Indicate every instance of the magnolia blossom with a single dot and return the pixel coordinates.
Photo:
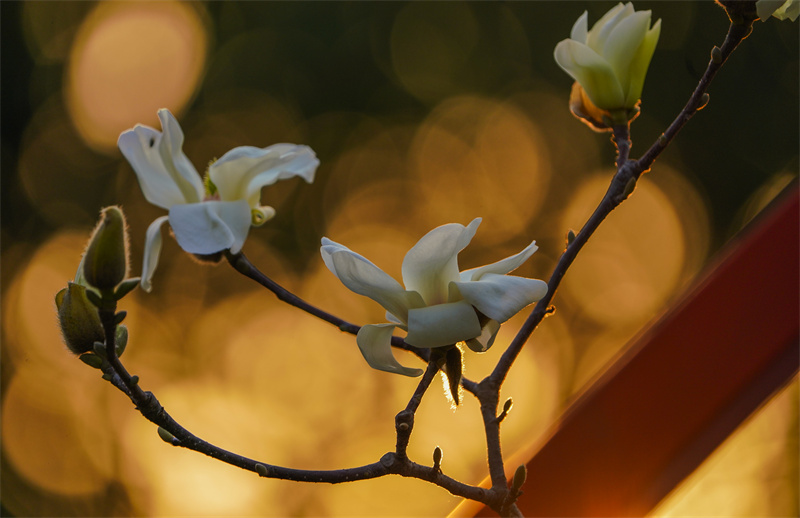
(439, 305)
(780, 9)
(610, 61)
(211, 216)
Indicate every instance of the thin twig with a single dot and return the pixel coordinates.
(390, 463)
(242, 265)
(736, 33)
(404, 420)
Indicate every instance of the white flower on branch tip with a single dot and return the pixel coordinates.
(610, 61)
(780, 9)
(439, 305)
(211, 216)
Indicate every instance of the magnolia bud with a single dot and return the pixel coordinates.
(80, 322)
(105, 263)
(519, 477)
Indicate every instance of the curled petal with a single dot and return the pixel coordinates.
(502, 267)
(502, 296)
(243, 171)
(430, 266)
(483, 342)
(374, 341)
(211, 226)
(261, 215)
(442, 324)
(364, 278)
(165, 174)
(152, 250)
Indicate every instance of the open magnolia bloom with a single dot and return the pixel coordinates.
(211, 216)
(439, 305)
(609, 63)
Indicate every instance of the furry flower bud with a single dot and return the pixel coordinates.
(105, 264)
(79, 320)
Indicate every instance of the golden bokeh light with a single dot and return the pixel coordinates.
(192, 485)
(478, 157)
(128, 60)
(49, 388)
(634, 262)
(59, 175)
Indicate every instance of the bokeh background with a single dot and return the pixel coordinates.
(421, 114)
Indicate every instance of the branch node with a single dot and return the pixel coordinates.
(262, 470)
(167, 437)
(387, 461)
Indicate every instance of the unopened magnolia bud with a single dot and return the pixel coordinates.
(519, 477)
(166, 436)
(105, 264)
(716, 55)
(437, 458)
(79, 320)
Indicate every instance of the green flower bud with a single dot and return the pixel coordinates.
(105, 263)
(79, 320)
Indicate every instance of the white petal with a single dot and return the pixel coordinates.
(597, 37)
(165, 174)
(623, 44)
(581, 28)
(152, 250)
(364, 278)
(243, 171)
(210, 226)
(442, 324)
(374, 341)
(502, 296)
(430, 266)
(503, 266)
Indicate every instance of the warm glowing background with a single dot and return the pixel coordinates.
(422, 114)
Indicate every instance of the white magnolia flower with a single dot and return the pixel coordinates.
(439, 305)
(610, 61)
(215, 216)
(780, 9)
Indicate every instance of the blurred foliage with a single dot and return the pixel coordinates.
(421, 114)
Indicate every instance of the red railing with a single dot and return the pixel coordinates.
(683, 386)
